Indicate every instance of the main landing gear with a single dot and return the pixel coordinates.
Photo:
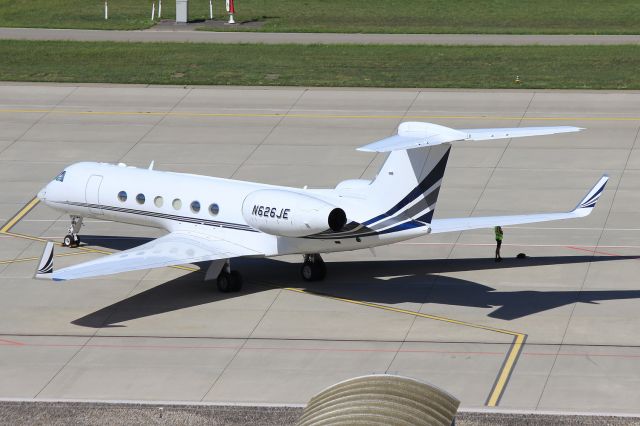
(313, 268)
(72, 239)
(227, 281)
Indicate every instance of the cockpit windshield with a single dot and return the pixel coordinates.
(60, 177)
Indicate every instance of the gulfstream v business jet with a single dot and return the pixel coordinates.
(215, 220)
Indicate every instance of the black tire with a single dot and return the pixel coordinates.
(236, 281)
(224, 282)
(68, 240)
(313, 271)
(321, 270)
(307, 272)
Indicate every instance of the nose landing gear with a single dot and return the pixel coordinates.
(72, 239)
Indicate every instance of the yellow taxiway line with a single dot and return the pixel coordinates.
(18, 216)
(504, 374)
(499, 385)
(303, 115)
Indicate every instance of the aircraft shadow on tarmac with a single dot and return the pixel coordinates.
(417, 281)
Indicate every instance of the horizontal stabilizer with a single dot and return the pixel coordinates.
(583, 209)
(413, 134)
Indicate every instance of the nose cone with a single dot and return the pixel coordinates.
(42, 195)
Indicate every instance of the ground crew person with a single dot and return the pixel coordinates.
(499, 236)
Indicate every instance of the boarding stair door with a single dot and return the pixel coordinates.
(92, 194)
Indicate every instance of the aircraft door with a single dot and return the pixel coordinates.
(92, 194)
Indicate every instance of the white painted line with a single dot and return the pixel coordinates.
(64, 220)
(149, 402)
(515, 245)
(288, 405)
(546, 412)
(571, 229)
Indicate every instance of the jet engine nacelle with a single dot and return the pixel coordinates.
(291, 214)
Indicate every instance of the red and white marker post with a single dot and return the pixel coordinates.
(231, 9)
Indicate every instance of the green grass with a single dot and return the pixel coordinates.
(445, 16)
(367, 16)
(89, 14)
(545, 67)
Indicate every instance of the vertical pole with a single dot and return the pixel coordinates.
(159, 9)
(153, 10)
(232, 10)
(210, 9)
(106, 10)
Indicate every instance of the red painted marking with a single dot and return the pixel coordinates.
(307, 349)
(581, 354)
(10, 342)
(593, 251)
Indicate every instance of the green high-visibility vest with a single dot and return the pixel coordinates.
(498, 232)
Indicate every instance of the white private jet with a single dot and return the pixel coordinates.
(214, 219)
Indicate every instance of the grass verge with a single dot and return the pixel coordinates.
(444, 16)
(353, 16)
(542, 67)
(89, 14)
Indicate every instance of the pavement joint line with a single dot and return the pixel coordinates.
(512, 356)
(152, 403)
(269, 133)
(321, 116)
(240, 347)
(508, 365)
(430, 287)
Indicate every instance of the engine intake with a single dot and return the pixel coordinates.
(291, 214)
(337, 219)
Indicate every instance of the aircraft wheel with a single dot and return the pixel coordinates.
(236, 281)
(322, 270)
(313, 271)
(68, 241)
(224, 282)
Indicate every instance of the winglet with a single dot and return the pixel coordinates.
(589, 201)
(45, 267)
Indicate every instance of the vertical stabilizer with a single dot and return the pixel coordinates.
(407, 187)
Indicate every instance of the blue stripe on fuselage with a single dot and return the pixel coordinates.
(434, 175)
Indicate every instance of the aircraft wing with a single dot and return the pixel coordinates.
(415, 134)
(176, 248)
(583, 208)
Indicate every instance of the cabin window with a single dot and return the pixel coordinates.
(140, 198)
(214, 209)
(158, 201)
(60, 177)
(195, 206)
(177, 204)
(122, 196)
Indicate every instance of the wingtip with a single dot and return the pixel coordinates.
(44, 269)
(587, 204)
